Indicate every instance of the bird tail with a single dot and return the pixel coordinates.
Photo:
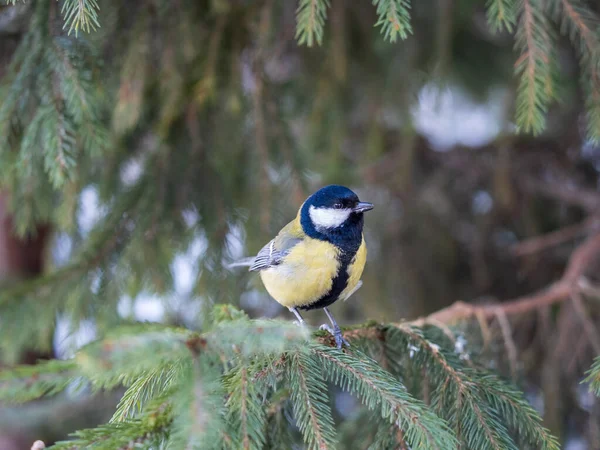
(244, 262)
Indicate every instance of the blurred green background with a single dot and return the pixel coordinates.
(138, 159)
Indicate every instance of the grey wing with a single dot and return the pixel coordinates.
(270, 255)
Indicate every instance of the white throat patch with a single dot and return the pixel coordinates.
(328, 217)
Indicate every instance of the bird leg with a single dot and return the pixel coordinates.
(336, 331)
(300, 321)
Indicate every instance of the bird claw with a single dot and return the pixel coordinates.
(326, 328)
(298, 323)
(337, 335)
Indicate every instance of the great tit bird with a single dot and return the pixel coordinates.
(317, 258)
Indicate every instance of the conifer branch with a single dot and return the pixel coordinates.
(377, 388)
(246, 410)
(80, 15)
(310, 21)
(479, 402)
(130, 353)
(148, 430)
(190, 374)
(594, 377)
(535, 66)
(198, 406)
(26, 383)
(502, 14)
(144, 389)
(311, 402)
(394, 18)
(581, 24)
(518, 412)
(279, 433)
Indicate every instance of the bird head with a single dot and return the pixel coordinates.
(331, 210)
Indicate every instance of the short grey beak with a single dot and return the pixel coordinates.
(362, 207)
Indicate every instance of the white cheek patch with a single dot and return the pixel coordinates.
(328, 217)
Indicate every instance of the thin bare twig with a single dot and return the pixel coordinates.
(558, 237)
(561, 290)
(509, 343)
(588, 326)
(485, 329)
(587, 199)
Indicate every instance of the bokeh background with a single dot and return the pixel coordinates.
(189, 133)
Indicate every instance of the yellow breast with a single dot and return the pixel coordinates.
(305, 275)
(355, 270)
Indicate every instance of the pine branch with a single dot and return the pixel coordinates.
(394, 18)
(389, 437)
(166, 366)
(80, 15)
(310, 21)
(581, 24)
(378, 388)
(279, 427)
(198, 407)
(57, 136)
(144, 389)
(519, 414)
(148, 431)
(536, 67)
(481, 408)
(242, 338)
(135, 73)
(478, 403)
(130, 353)
(502, 14)
(246, 412)
(594, 377)
(311, 402)
(26, 383)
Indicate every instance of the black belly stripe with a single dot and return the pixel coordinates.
(348, 239)
(339, 282)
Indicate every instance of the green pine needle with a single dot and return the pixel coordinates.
(581, 24)
(246, 409)
(198, 407)
(144, 389)
(536, 67)
(481, 407)
(233, 386)
(80, 15)
(148, 431)
(310, 21)
(26, 383)
(394, 18)
(502, 14)
(311, 402)
(593, 377)
(378, 389)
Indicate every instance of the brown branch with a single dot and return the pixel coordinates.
(509, 343)
(588, 288)
(586, 199)
(571, 284)
(588, 326)
(561, 290)
(555, 238)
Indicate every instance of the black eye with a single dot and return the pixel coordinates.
(338, 206)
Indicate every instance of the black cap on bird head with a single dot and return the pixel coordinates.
(332, 212)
